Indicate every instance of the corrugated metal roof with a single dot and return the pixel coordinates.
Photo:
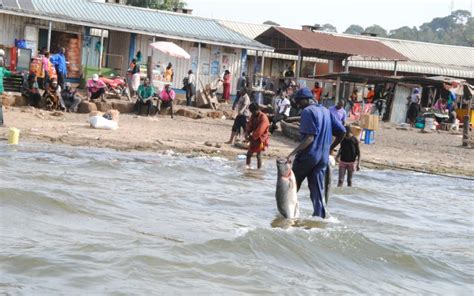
(146, 21)
(289, 57)
(428, 58)
(317, 43)
(246, 29)
(417, 67)
(427, 52)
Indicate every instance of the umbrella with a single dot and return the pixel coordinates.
(171, 49)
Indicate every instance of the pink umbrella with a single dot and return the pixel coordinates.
(171, 49)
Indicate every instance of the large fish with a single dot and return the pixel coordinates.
(328, 179)
(286, 198)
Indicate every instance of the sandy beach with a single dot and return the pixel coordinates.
(438, 152)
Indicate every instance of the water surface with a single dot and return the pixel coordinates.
(88, 221)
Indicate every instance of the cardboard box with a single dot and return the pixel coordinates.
(370, 122)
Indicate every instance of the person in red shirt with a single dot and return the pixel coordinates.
(258, 134)
(370, 95)
(317, 91)
(166, 98)
(226, 84)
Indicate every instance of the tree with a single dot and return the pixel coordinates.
(376, 29)
(271, 23)
(469, 32)
(405, 33)
(354, 30)
(158, 4)
(328, 28)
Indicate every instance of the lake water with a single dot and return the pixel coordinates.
(77, 221)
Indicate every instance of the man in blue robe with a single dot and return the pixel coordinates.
(317, 128)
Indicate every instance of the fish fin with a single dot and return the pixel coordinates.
(296, 214)
(327, 183)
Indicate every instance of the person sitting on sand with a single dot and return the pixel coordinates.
(31, 91)
(52, 95)
(145, 96)
(258, 134)
(166, 99)
(70, 99)
(347, 156)
(95, 87)
(240, 122)
(283, 106)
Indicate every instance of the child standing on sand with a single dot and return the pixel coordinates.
(349, 157)
(257, 132)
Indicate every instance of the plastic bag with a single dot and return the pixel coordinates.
(102, 123)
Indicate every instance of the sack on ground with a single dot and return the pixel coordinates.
(100, 122)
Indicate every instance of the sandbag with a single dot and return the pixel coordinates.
(102, 123)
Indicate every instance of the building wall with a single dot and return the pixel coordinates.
(214, 61)
(11, 27)
(119, 47)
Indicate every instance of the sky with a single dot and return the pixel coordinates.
(390, 14)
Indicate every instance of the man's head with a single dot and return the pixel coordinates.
(54, 82)
(370, 88)
(168, 87)
(254, 108)
(134, 61)
(146, 82)
(303, 97)
(95, 77)
(340, 104)
(348, 131)
(226, 72)
(67, 86)
(170, 65)
(62, 50)
(190, 72)
(316, 84)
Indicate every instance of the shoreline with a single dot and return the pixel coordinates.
(392, 150)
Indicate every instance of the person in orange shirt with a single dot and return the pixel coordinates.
(370, 95)
(317, 91)
(257, 132)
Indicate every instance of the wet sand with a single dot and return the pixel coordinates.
(438, 152)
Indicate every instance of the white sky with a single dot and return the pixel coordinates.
(390, 14)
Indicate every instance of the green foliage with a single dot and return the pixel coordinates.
(354, 30)
(328, 28)
(376, 29)
(455, 29)
(158, 4)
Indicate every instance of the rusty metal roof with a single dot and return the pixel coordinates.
(326, 45)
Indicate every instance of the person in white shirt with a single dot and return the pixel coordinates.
(190, 87)
(283, 106)
(243, 113)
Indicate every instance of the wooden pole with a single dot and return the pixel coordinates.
(465, 133)
(338, 89)
(101, 52)
(346, 65)
(395, 68)
(262, 68)
(198, 68)
(50, 29)
(298, 66)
